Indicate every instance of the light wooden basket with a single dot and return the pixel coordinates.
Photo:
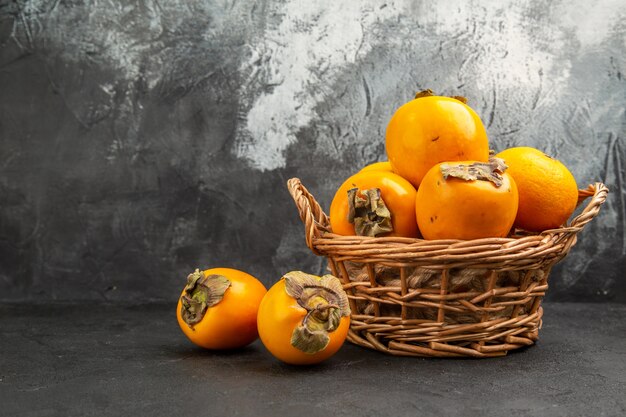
(443, 298)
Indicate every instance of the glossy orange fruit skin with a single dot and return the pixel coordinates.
(231, 323)
(397, 193)
(429, 130)
(378, 166)
(548, 193)
(279, 314)
(454, 208)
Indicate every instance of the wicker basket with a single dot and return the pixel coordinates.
(443, 298)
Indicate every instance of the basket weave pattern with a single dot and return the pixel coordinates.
(443, 298)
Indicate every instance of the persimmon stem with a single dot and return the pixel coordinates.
(368, 212)
(429, 93)
(483, 171)
(325, 302)
(201, 293)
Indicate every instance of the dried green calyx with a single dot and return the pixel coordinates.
(429, 93)
(325, 302)
(200, 293)
(424, 93)
(368, 212)
(485, 171)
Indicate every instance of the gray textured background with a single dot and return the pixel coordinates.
(140, 139)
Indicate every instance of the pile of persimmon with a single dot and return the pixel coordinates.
(442, 182)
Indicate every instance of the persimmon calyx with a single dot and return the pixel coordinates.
(200, 293)
(429, 93)
(325, 302)
(368, 212)
(424, 93)
(484, 171)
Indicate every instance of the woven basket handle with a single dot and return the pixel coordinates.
(598, 193)
(314, 219)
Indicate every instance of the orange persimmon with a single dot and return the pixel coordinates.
(374, 203)
(431, 129)
(304, 319)
(218, 308)
(466, 200)
(548, 193)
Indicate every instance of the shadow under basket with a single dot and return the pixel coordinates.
(443, 298)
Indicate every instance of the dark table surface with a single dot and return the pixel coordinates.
(119, 360)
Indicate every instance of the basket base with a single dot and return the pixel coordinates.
(496, 340)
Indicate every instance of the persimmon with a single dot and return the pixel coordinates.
(304, 319)
(378, 166)
(466, 200)
(548, 192)
(218, 308)
(431, 129)
(374, 203)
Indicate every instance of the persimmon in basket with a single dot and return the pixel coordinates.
(432, 129)
(548, 193)
(466, 200)
(374, 203)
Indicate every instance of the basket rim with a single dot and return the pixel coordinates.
(551, 243)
